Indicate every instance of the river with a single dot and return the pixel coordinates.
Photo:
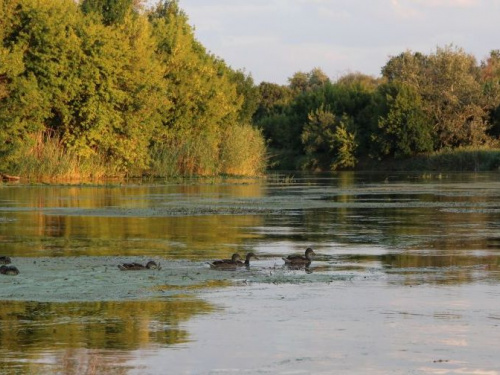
(405, 279)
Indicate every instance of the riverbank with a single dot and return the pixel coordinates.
(459, 160)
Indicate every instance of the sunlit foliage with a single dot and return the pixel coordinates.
(119, 86)
(422, 103)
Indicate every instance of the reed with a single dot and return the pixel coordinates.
(50, 160)
(239, 150)
(243, 152)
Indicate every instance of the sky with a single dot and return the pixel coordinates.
(273, 39)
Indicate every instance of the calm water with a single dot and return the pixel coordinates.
(406, 278)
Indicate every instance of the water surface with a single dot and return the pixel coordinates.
(406, 278)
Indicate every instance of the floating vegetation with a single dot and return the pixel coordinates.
(99, 279)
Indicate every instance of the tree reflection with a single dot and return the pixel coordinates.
(30, 330)
(125, 220)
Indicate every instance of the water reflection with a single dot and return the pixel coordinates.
(39, 331)
(131, 220)
(394, 231)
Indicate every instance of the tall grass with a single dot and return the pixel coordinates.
(194, 155)
(243, 152)
(239, 150)
(50, 160)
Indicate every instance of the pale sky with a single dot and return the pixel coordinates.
(273, 39)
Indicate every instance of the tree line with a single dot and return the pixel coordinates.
(444, 100)
(121, 89)
(107, 87)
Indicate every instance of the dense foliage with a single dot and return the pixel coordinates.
(106, 87)
(119, 90)
(423, 103)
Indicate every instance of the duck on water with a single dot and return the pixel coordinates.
(151, 265)
(9, 270)
(300, 260)
(233, 263)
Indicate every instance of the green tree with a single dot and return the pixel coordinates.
(403, 129)
(116, 111)
(203, 90)
(328, 141)
(490, 74)
(273, 99)
(110, 11)
(41, 51)
(302, 82)
(108, 82)
(245, 88)
(450, 86)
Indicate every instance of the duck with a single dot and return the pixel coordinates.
(4, 260)
(9, 270)
(300, 260)
(151, 265)
(228, 263)
(246, 263)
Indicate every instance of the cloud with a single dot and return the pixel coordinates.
(403, 11)
(447, 3)
(407, 9)
(273, 39)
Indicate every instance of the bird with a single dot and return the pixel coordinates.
(4, 260)
(246, 263)
(151, 265)
(9, 270)
(227, 263)
(300, 260)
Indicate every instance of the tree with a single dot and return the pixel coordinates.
(328, 141)
(490, 75)
(116, 111)
(110, 11)
(40, 51)
(403, 128)
(302, 82)
(454, 98)
(273, 99)
(202, 89)
(449, 84)
(245, 88)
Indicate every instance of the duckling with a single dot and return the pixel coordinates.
(300, 260)
(9, 270)
(246, 263)
(151, 265)
(227, 263)
(4, 260)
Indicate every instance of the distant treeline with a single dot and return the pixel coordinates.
(422, 105)
(104, 87)
(97, 88)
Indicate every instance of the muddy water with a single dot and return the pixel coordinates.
(405, 281)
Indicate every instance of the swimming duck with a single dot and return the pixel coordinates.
(228, 263)
(9, 270)
(4, 259)
(300, 260)
(151, 265)
(246, 263)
